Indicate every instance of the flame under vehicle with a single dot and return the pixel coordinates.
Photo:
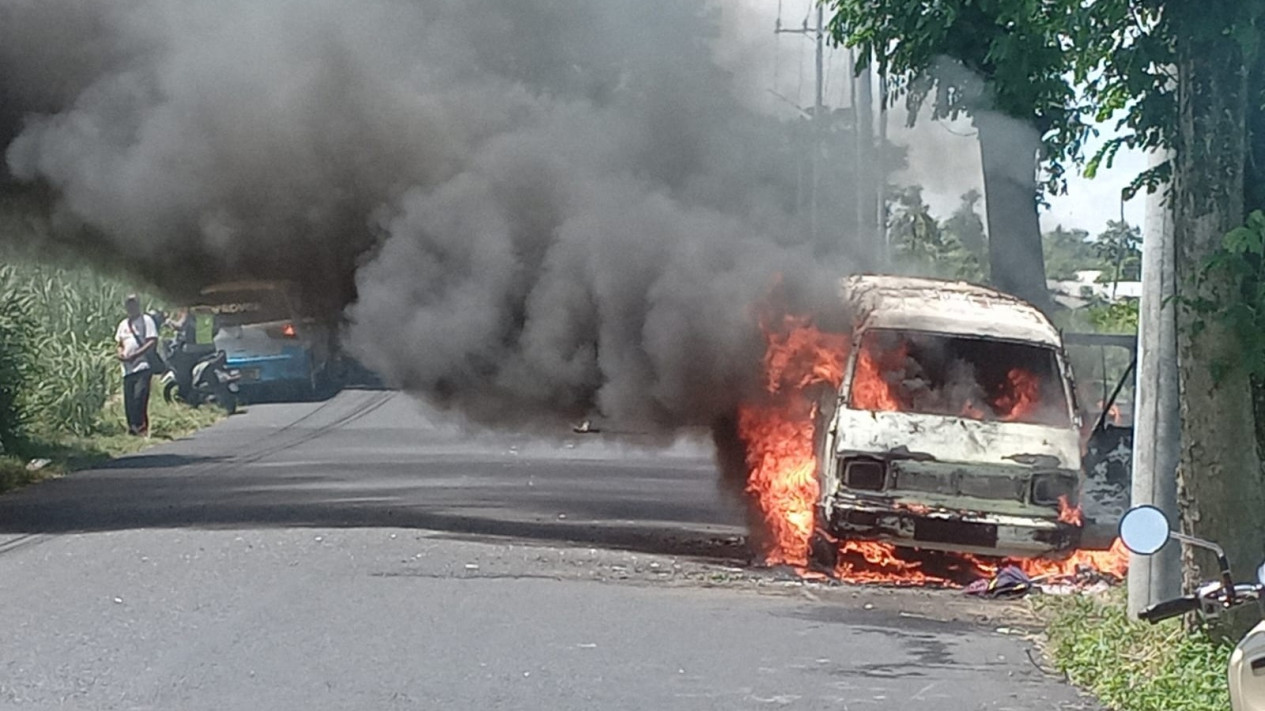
(955, 427)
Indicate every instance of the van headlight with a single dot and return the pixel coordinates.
(864, 474)
(1049, 487)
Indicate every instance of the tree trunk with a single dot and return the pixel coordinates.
(1254, 199)
(1219, 480)
(1009, 153)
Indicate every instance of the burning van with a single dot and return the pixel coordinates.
(955, 427)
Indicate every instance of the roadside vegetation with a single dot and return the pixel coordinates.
(60, 401)
(956, 248)
(1131, 665)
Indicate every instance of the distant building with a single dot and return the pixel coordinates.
(1086, 287)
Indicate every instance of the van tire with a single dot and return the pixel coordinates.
(823, 553)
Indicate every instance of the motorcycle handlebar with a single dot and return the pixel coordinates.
(1161, 611)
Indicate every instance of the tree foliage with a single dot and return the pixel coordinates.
(921, 244)
(1119, 247)
(966, 228)
(968, 56)
(1068, 251)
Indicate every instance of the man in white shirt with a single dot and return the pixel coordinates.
(136, 337)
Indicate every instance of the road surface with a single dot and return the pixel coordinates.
(363, 554)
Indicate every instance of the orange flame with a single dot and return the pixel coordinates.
(1113, 562)
(783, 479)
(870, 390)
(1019, 402)
(1070, 514)
(779, 435)
(778, 432)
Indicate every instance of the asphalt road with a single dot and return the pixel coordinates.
(362, 554)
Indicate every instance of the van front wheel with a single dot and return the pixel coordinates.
(823, 553)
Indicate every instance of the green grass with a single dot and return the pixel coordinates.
(69, 452)
(14, 474)
(1131, 665)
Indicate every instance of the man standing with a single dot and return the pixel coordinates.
(136, 337)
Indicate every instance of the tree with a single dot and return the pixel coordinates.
(914, 233)
(1219, 480)
(1009, 73)
(1188, 76)
(966, 227)
(1067, 252)
(921, 245)
(1119, 248)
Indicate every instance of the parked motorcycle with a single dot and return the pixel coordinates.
(198, 375)
(1144, 530)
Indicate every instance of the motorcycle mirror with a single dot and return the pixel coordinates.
(1144, 530)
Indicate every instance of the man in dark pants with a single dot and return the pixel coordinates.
(136, 337)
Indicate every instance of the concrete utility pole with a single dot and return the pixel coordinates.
(819, 109)
(1157, 424)
(881, 207)
(867, 186)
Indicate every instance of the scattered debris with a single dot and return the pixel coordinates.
(1010, 582)
(37, 464)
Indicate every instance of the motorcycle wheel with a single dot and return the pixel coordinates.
(171, 393)
(226, 399)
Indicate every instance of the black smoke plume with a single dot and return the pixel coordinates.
(519, 208)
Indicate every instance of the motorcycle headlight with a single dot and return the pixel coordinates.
(1049, 487)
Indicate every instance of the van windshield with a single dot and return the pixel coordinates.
(934, 374)
(245, 307)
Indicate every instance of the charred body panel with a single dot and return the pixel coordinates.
(950, 529)
(975, 508)
(943, 452)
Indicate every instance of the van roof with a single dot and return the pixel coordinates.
(953, 307)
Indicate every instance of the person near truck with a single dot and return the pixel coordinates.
(136, 337)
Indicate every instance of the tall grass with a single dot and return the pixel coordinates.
(17, 338)
(57, 325)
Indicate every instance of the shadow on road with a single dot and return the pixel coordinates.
(157, 461)
(623, 506)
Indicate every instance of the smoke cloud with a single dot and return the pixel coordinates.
(520, 208)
